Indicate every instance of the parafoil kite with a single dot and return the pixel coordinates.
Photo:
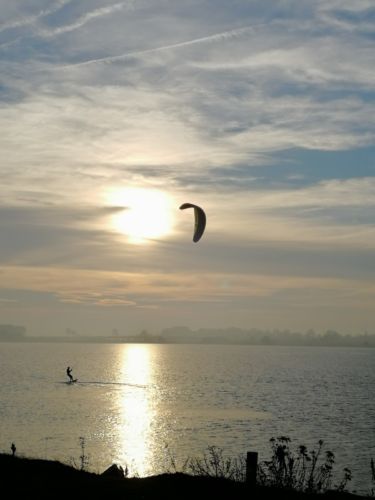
(200, 220)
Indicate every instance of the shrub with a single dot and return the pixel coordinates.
(215, 464)
(303, 470)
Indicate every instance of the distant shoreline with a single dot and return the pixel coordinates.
(137, 340)
(206, 336)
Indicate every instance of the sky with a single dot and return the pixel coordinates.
(114, 113)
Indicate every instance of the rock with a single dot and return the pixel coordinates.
(114, 471)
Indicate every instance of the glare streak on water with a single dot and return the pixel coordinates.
(141, 404)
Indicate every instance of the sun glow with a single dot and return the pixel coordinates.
(147, 214)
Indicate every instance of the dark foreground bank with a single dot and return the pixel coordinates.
(45, 478)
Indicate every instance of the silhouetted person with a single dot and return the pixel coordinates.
(13, 448)
(69, 373)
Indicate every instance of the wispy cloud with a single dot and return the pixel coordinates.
(96, 288)
(32, 19)
(7, 301)
(85, 18)
(332, 193)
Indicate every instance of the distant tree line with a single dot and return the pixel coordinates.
(256, 336)
(12, 332)
(185, 335)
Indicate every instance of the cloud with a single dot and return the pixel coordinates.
(31, 19)
(348, 16)
(85, 18)
(253, 90)
(107, 132)
(137, 290)
(7, 301)
(331, 193)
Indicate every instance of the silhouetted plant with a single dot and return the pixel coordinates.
(84, 460)
(345, 480)
(215, 464)
(302, 470)
(372, 465)
(173, 467)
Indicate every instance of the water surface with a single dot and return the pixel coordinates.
(140, 404)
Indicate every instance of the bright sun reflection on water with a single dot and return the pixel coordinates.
(136, 409)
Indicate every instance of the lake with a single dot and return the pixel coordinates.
(141, 404)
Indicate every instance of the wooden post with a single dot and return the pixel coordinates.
(251, 468)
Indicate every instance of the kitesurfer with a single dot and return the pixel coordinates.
(69, 373)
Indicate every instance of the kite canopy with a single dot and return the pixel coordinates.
(200, 220)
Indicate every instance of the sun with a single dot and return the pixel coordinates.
(147, 214)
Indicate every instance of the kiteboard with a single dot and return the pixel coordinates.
(73, 381)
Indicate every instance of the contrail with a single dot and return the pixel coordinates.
(225, 35)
